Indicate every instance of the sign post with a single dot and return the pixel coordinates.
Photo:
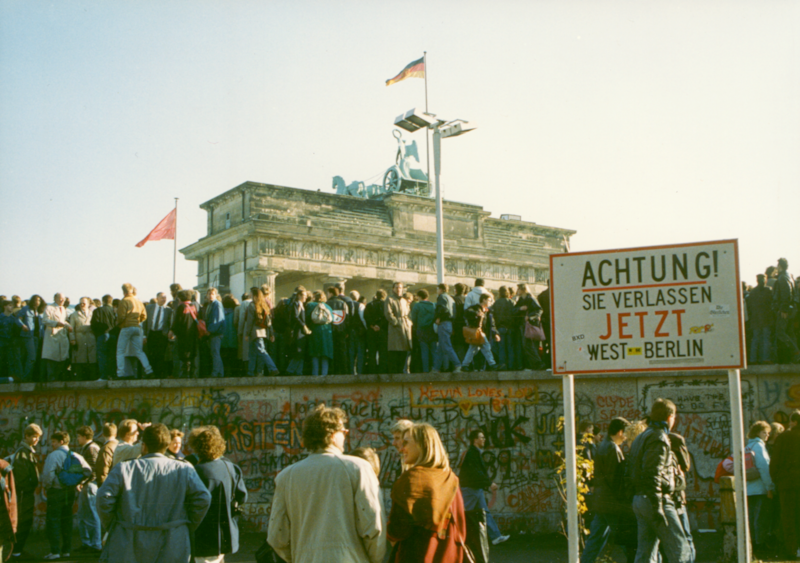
(650, 309)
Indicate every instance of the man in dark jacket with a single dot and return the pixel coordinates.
(761, 319)
(443, 317)
(612, 505)
(784, 469)
(651, 477)
(26, 479)
(474, 480)
(504, 317)
(377, 335)
(785, 309)
(104, 323)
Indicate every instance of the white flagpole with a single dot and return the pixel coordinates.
(175, 241)
(427, 136)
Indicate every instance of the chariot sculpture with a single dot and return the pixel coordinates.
(405, 176)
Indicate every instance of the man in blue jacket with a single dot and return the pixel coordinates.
(214, 316)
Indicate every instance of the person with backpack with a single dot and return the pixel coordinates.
(63, 471)
(341, 331)
(257, 328)
(319, 318)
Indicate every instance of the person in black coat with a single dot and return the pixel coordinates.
(183, 330)
(613, 516)
(377, 335)
(474, 480)
(218, 533)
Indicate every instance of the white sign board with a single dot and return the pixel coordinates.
(647, 309)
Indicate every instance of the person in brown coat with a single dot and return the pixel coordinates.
(397, 313)
(427, 521)
(8, 508)
(784, 469)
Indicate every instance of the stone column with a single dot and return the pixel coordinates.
(265, 277)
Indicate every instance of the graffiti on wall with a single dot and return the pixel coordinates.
(263, 427)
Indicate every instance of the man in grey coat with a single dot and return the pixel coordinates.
(150, 504)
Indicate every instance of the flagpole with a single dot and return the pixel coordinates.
(427, 136)
(175, 240)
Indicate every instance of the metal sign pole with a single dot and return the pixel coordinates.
(739, 480)
(572, 472)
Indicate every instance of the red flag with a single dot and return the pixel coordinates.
(165, 229)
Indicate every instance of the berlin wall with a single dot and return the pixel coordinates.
(261, 420)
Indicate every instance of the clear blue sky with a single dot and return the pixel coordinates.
(635, 123)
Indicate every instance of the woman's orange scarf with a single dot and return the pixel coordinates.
(427, 494)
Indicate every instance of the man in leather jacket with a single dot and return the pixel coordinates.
(785, 309)
(651, 477)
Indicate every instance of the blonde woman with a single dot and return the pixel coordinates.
(427, 519)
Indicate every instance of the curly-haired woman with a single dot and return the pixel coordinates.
(218, 533)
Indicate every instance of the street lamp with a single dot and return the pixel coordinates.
(414, 120)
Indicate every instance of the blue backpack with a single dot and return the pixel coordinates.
(71, 473)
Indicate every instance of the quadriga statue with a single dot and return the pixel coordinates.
(405, 176)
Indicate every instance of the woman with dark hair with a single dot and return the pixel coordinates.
(300, 332)
(230, 339)
(184, 332)
(257, 328)
(31, 317)
(427, 519)
(218, 533)
(528, 309)
(320, 345)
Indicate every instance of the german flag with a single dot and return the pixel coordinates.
(416, 68)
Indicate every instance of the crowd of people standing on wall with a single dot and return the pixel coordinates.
(310, 333)
(772, 323)
(322, 332)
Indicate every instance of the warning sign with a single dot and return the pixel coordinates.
(647, 309)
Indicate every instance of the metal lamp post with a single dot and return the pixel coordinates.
(412, 121)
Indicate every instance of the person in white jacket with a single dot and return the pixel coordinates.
(474, 296)
(328, 506)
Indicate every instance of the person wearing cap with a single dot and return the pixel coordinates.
(785, 309)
